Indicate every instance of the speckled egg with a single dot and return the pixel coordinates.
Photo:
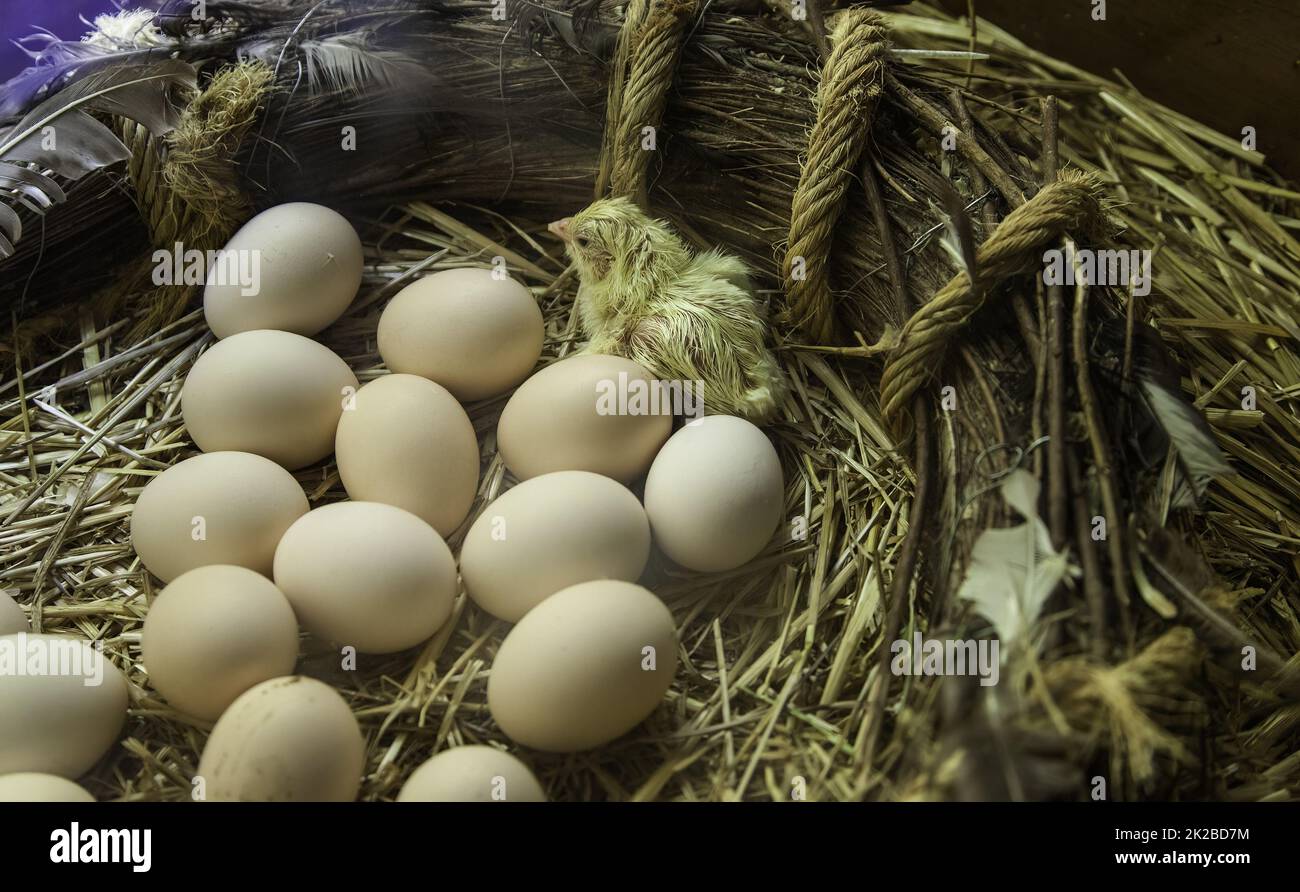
(289, 739)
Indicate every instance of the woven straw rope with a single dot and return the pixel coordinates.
(1069, 204)
(645, 58)
(848, 94)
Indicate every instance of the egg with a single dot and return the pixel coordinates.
(294, 267)
(62, 704)
(405, 441)
(213, 633)
(12, 617)
(32, 787)
(583, 667)
(367, 575)
(715, 493)
(290, 739)
(549, 533)
(272, 393)
(216, 508)
(474, 331)
(583, 413)
(472, 774)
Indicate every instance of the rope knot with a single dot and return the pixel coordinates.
(1068, 205)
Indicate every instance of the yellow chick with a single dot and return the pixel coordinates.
(646, 296)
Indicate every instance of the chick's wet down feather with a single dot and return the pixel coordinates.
(644, 295)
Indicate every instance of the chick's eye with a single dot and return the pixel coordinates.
(581, 241)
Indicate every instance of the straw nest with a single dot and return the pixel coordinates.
(780, 658)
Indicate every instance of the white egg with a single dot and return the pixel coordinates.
(35, 787)
(294, 267)
(213, 633)
(473, 331)
(405, 441)
(271, 393)
(367, 575)
(216, 508)
(62, 704)
(472, 774)
(572, 416)
(715, 494)
(549, 533)
(583, 667)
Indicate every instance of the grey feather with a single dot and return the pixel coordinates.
(11, 225)
(1199, 456)
(32, 184)
(345, 63)
(348, 62)
(61, 135)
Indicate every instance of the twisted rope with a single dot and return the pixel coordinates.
(187, 189)
(186, 184)
(847, 96)
(200, 150)
(649, 45)
(1069, 204)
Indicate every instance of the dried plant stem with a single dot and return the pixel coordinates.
(1057, 488)
(884, 231)
(817, 24)
(1094, 593)
(1028, 330)
(900, 586)
(1040, 383)
(1101, 454)
(934, 120)
(904, 569)
(1130, 320)
(20, 377)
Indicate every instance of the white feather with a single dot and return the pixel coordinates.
(348, 62)
(1014, 569)
(127, 30)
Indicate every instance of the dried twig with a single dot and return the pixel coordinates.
(1057, 485)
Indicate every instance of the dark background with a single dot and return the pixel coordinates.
(1226, 63)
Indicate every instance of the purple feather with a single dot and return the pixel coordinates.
(57, 65)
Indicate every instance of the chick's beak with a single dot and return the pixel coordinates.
(560, 228)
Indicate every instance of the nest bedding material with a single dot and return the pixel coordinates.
(780, 657)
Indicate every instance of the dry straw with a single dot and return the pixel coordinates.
(781, 687)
